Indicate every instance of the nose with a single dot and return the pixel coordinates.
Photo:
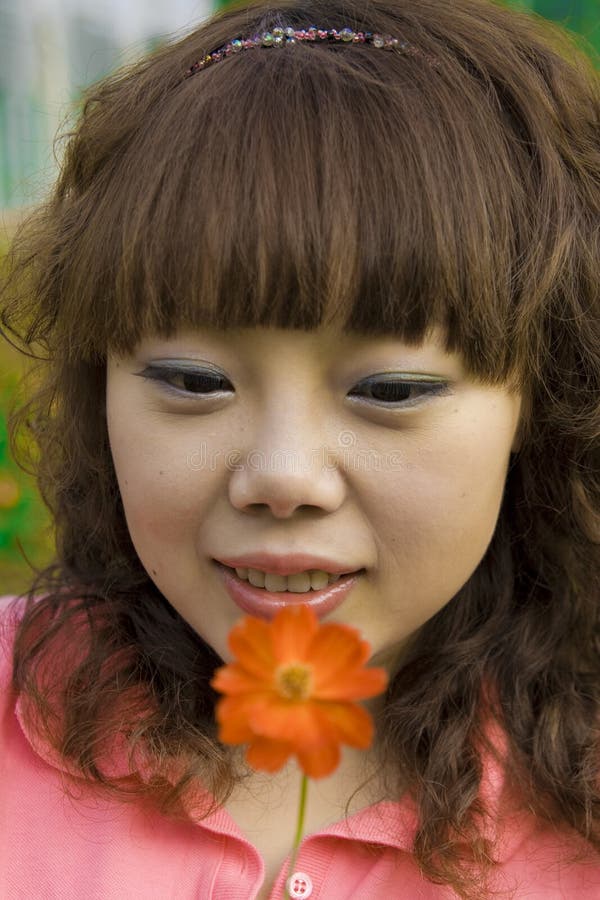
(287, 468)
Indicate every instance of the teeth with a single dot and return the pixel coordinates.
(256, 578)
(314, 579)
(318, 580)
(296, 584)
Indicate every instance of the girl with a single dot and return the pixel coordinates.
(317, 289)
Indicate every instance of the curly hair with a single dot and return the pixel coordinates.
(280, 188)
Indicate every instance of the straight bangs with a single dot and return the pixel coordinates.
(298, 186)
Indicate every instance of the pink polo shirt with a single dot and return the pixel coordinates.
(56, 847)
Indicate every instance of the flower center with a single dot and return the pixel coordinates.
(294, 681)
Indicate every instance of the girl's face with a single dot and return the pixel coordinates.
(269, 440)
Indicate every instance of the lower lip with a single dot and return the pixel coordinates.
(266, 604)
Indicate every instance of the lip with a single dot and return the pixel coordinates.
(288, 564)
(265, 604)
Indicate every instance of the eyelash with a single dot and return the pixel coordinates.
(162, 374)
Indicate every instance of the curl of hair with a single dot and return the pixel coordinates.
(400, 194)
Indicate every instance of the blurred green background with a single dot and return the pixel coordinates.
(580, 16)
(25, 528)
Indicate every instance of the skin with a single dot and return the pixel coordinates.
(418, 512)
(412, 493)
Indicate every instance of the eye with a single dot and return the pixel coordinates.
(194, 382)
(391, 393)
(397, 393)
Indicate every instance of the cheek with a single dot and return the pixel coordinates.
(436, 512)
(155, 482)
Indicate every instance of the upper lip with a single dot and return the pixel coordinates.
(288, 564)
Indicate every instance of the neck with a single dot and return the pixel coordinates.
(352, 786)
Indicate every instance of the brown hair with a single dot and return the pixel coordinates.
(283, 187)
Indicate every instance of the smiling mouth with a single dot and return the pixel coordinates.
(263, 603)
(311, 581)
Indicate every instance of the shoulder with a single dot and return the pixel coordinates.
(10, 604)
(19, 713)
(12, 608)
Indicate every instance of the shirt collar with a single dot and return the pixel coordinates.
(387, 823)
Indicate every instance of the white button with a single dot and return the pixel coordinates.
(299, 886)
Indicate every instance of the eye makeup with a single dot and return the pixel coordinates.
(386, 390)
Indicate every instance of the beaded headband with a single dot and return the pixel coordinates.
(282, 37)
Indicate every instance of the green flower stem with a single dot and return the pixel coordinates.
(299, 828)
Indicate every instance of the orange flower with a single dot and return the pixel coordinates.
(291, 690)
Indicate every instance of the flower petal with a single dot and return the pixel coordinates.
(233, 679)
(348, 723)
(286, 721)
(319, 761)
(233, 715)
(251, 643)
(334, 650)
(268, 755)
(293, 630)
(234, 731)
(353, 685)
